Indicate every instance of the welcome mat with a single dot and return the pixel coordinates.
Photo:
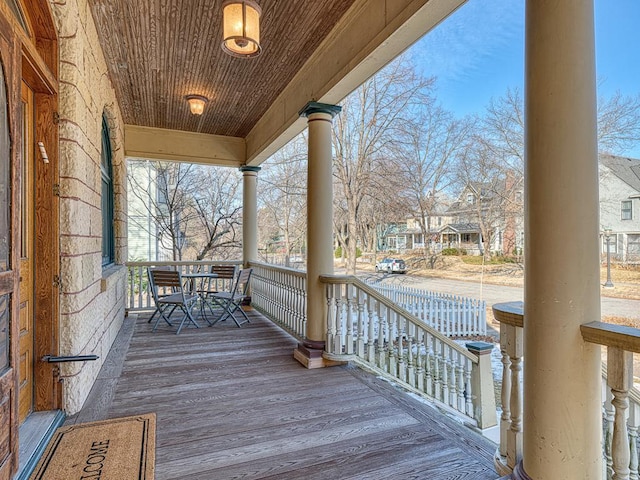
(118, 449)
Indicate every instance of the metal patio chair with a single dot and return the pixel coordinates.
(171, 279)
(231, 301)
(223, 282)
(163, 294)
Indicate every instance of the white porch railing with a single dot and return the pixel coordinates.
(621, 402)
(280, 294)
(368, 328)
(451, 315)
(138, 292)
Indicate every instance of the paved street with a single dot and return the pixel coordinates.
(495, 293)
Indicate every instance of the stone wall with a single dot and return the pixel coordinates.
(92, 300)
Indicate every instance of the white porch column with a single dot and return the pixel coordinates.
(319, 229)
(562, 426)
(249, 214)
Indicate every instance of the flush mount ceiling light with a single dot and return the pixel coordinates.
(241, 28)
(196, 103)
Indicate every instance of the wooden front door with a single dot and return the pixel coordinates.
(8, 258)
(27, 214)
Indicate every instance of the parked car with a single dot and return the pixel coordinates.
(391, 265)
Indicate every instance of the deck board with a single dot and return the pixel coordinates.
(232, 403)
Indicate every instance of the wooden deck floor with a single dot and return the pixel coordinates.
(232, 403)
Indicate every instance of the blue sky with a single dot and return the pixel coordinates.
(478, 52)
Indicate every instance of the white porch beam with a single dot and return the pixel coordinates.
(180, 146)
(370, 35)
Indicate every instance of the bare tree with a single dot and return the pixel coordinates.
(428, 157)
(490, 196)
(502, 126)
(166, 193)
(364, 135)
(282, 193)
(191, 208)
(219, 209)
(495, 158)
(618, 123)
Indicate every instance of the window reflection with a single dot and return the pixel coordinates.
(4, 332)
(5, 177)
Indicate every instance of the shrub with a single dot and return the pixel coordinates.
(454, 251)
(338, 252)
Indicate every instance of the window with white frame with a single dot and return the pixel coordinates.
(626, 210)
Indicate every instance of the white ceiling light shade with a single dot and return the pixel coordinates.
(241, 28)
(196, 103)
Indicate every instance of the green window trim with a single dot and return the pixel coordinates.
(106, 171)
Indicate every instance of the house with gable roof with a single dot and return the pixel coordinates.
(620, 206)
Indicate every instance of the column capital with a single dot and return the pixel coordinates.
(315, 107)
(249, 168)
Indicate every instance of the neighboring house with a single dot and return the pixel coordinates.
(488, 214)
(143, 230)
(148, 237)
(620, 206)
(408, 235)
(477, 209)
(398, 237)
(504, 220)
(467, 236)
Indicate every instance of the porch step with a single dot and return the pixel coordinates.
(34, 435)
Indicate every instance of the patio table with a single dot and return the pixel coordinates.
(200, 290)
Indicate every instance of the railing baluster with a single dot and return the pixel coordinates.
(360, 333)
(460, 376)
(351, 306)
(619, 378)
(420, 359)
(371, 354)
(402, 364)
(514, 436)
(505, 392)
(467, 387)
(437, 377)
(393, 349)
(632, 425)
(381, 353)
(332, 312)
(428, 365)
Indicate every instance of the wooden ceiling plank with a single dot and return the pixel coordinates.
(157, 49)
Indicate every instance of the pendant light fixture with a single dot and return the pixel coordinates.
(241, 28)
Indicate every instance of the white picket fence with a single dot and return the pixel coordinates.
(451, 315)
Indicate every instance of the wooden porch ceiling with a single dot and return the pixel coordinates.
(158, 51)
(233, 403)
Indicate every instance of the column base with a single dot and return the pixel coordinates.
(519, 473)
(309, 354)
